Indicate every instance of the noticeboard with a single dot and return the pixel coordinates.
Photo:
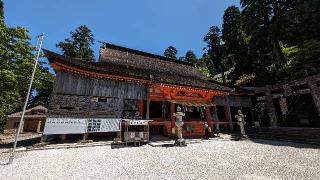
(65, 126)
(104, 125)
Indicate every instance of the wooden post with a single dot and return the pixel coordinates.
(315, 93)
(43, 138)
(63, 137)
(216, 117)
(85, 136)
(141, 108)
(148, 109)
(39, 126)
(173, 119)
(208, 117)
(228, 116)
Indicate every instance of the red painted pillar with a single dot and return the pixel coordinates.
(209, 117)
(173, 119)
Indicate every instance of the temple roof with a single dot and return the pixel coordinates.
(140, 65)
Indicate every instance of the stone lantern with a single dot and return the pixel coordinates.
(179, 123)
(240, 117)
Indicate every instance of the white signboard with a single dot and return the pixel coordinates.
(104, 125)
(138, 122)
(65, 126)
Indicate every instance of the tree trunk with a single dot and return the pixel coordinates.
(278, 52)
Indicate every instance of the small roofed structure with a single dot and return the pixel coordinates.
(34, 120)
(125, 82)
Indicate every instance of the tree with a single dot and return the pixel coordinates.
(191, 57)
(79, 44)
(17, 58)
(234, 39)
(265, 19)
(1, 9)
(214, 50)
(171, 52)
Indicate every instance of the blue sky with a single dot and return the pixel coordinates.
(147, 25)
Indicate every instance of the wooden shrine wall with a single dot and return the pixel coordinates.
(78, 96)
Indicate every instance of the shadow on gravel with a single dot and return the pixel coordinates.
(22, 143)
(120, 146)
(284, 143)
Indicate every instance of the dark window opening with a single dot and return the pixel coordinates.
(318, 83)
(193, 112)
(155, 109)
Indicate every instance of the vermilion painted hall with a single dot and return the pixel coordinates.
(126, 83)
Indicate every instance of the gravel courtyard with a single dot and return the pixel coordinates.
(206, 160)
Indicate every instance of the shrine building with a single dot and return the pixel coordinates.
(126, 83)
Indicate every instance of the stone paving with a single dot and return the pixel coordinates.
(213, 159)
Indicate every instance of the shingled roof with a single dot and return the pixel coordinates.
(127, 62)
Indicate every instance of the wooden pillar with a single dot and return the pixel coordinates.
(141, 108)
(39, 126)
(228, 116)
(315, 92)
(173, 119)
(148, 109)
(208, 117)
(216, 117)
(270, 108)
(85, 136)
(63, 137)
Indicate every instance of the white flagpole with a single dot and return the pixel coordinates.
(40, 37)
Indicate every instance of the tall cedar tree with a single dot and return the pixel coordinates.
(191, 57)
(79, 44)
(265, 19)
(234, 39)
(16, 54)
(171, 52)
(214, 50)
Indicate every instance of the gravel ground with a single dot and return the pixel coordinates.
(206, 160)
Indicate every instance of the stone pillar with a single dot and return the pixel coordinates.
(173, 118)
(39, 126)
(315, 92)
(270, 108)
(22, 126)
(148, 109)
(228, 116)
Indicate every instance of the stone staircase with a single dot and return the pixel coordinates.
(297, 135)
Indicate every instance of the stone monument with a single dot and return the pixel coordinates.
(240, 117)
(179, 123)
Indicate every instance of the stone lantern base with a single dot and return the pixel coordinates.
(180, 142)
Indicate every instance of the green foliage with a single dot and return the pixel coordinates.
(171, 52)
(16, 63)
(191, 57)
(79, 45)
(266, 42)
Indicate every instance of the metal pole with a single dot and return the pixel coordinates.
(40, 37)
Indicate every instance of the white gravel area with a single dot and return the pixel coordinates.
(205, 160)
